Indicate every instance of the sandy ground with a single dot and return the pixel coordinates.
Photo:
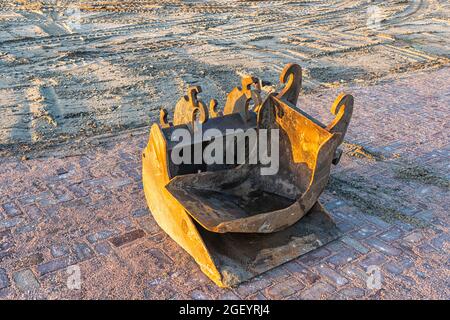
(76, 69)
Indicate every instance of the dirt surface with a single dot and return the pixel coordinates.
(76, 69)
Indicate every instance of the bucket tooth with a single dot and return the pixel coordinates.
(238, 100)
(342, 108)
(189, 108)
(234, 221)
(213, 113)
(291, 77)
(163, 118)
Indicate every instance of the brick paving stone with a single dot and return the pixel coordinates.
(399, 266)
(10, 222)
(426, 215)
(314, 256)
(29, 261)
(161, 292)
(393, 268)
(127, 237)
(11, 209)
(343, 257)
(439, 241)
(77, 190)
(4, 280)
(284, 289)
(103, 248)
(59, 250)
(77, 203)
(100, 235)
(5, 255)
(355, 244)
(414, 237)
(345, 226)
(406, 227)
(319, 290)
(83, 251)
(276, 275)
(140, 212)
(60, 193)
(198, 294)
(250, 287)
(337, 246)
(119, 182)
(383, 247)
(62, 172)
(25, 228)
(379, 223)
(149, 225)
(157, 238)
(304, 274)
(127, 223)
(352, 293)
(53, 265)
(425, 249)
(229, 295)
(25, 280)
(364, 232)
(257, 296)
(408, 281)
(392, 234)
(159, 258)
(344, 215)
(6, 244)
(376, 259)
(331, 275)
(332, 205)
(5, 234)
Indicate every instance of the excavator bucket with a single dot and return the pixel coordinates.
(235, 221)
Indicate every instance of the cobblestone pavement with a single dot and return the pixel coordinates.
(389, 195)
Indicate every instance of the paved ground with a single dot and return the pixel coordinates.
(389, 195)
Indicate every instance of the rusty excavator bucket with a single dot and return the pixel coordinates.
(233, 220)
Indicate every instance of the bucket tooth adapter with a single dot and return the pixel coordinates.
(235, 221)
